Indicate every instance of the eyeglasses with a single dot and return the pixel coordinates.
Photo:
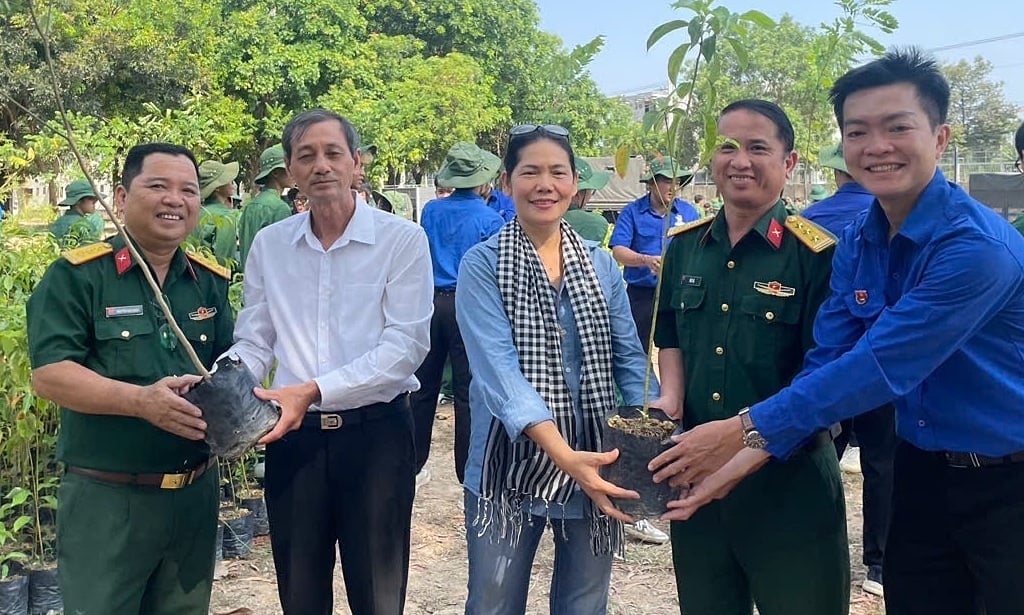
(553, 130)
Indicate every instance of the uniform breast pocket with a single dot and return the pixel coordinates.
(200, 335)
(768, 326)
(123, 342)
(688, 303)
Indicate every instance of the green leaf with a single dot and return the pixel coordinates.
(758, 18)
(675, 62)
(742, 56)
(664, 29)
(622, 161)
(695, 29)
(707, 48)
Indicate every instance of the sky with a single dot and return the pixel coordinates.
(625, 66)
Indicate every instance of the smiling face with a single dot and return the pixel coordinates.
(161, 205)
(541, 184)
(322, 164)
(889, 144)
(751, 166)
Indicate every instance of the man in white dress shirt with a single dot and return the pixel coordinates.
(341, 296)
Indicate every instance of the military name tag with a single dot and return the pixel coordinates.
(123, 310)
(692, 280)
(775, 289)
(203, 313)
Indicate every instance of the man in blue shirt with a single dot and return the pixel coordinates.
(927, 310)
(500, 202)
(639, 236)
(874, 431)
(453, 224)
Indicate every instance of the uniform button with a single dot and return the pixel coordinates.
(731, 264)
(682, 305)
(568, 369)
(719, 350)
(202, 338)
(769, 315)
(125, 334)
(921, 423)
(716, 396)
(725, 307)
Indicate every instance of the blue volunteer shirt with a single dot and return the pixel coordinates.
(503, 204)
(453, 225)
(837, 211)
(932, 319)
(642, 230)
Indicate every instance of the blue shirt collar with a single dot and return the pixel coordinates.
(926, 216)
(644, 203)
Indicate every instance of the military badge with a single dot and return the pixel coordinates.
(775, 233)
(774, 289)
(861, 296)
(203, 313)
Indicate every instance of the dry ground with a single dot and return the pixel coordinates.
(641, 585)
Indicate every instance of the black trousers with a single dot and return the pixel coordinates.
(445, 343)
(641, 303)
(352, 487)
(875, 434)
(956, 538)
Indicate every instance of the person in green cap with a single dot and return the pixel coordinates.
(453, 224)
(139, 495)
(80, 224)
(218, 220)
(588, 224)
(268, 207)
(740, 294)
(818, 193)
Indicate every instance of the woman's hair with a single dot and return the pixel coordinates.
(517, 142)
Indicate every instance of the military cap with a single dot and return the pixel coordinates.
(467, 166)
(589, 178)
(818, 193)
(271, 158)
(831, 157)
(664, 166)
(214, 174)
(76, 191)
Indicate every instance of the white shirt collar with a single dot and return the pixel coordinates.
(361, 229)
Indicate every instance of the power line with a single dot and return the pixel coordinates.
(980, 41)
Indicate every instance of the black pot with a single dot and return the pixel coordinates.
(44, 592)
(235, 418)
(238, 536)
(14, 595)
(260, 522)
(630, 471)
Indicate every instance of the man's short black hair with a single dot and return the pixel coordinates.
(138, 154)
(1018, 141)
(910, 65)
(770, 110)
(299, 124)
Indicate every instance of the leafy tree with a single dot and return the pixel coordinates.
(979, 113)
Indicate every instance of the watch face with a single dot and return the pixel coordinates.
(753, 439)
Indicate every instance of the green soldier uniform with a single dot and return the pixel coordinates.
(130, 548)
(79, 224)
(218, 223)
(742, 317)
(589, 225)
(267, 208)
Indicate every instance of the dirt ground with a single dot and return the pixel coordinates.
(643, 584)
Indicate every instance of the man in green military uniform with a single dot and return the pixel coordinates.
(80, 223)
(588, 224)
(268, 207)
(138, 501)
(218, 219)
(739, 297)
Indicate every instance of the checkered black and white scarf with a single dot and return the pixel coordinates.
(520, 473)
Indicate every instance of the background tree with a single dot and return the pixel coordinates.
(979, 114)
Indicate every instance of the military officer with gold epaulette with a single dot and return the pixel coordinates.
(138, 501)
(739, 295)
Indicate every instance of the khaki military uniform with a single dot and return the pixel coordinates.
(742, 317)
(122, 548)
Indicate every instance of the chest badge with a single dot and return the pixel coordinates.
(774, 235)
(774, 289)
(860, 296)
(117, 311)
(203, 313)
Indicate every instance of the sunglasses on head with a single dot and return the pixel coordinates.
(553, 130)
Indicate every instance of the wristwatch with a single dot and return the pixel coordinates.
(752, 438)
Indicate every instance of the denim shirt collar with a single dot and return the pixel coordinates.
(925, 218)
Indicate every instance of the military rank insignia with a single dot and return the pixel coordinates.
(203, 313)
(774, 289)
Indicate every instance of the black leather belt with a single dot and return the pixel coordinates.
(163, 481)
(330, 421)
(444, 292)
(974, 460)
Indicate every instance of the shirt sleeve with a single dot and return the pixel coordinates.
(255, 334)
(630, 361)
(59, 317)
(487, 334)
(967, 282)
(408, 305)
(625, 228)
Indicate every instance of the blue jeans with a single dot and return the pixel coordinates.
(499, 574)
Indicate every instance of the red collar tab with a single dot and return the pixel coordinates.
(775, 232)
(123, 260)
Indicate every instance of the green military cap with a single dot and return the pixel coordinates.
(271, 158)
(214, 174)
(78, 190)
(831, 157)
(664, 166)
(589, 178)
(370, 149)
(818, 193)
(467, 166)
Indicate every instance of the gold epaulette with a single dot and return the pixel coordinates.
(810, 234)
(210, 265)
(87, 253)
(682, 228)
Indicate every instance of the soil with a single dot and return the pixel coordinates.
(644, 428)
(642, 584)
(232, 513)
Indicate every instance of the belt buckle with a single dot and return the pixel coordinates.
(962, 460)
(330, 421)
(176, 481)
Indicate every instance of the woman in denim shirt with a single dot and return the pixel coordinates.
(549, 334)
